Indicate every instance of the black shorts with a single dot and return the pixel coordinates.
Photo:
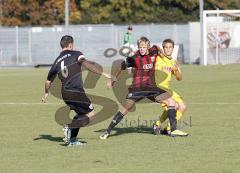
(139, 95)
(77, 101)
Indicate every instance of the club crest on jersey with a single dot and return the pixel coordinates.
(147, 66)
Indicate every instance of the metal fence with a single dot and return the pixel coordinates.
(40, 45)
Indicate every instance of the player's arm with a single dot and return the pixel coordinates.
(117, 67)
(47, 87)
(51, 76)
(91, 66)
(176, 71)
(95, 69)
(158, 50)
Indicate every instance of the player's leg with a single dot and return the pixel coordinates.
(118, 117)
(171, 113)
(80, 103)
(165, 99)
(177, 100)
(80, 121)
(181, 108)
(158, 124)
(77, 122)
(163, 117)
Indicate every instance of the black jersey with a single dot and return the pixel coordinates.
(68, 68)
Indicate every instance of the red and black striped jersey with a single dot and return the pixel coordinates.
(143, 67)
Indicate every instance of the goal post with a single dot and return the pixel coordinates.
(221, 31)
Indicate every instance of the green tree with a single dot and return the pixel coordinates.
(223, 4)
(51, 12)
(36, 12)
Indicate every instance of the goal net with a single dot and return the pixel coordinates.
(221, 33)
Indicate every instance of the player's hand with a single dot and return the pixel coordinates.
(114, 78)
(44, 98)
(161, 52)
(107, 75)
(175, 66)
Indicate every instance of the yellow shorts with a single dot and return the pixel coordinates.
(176, 97)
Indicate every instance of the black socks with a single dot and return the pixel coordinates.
(77, 122)
(116, 119)
(171, 113)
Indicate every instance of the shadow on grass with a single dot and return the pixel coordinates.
(84, 142)
(49, 138)
(126, 130)
(54, 139)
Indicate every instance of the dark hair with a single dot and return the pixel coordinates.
(129, 28)
(65, 41)
(168, 41)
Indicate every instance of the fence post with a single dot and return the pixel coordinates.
(1, 56)
(55, 41)
(116, 37)
(30, 46)
(112, 35)
(17, 46)
(175, 34)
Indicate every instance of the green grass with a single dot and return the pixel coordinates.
(31, 140)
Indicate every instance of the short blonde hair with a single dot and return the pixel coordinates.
(143, 39)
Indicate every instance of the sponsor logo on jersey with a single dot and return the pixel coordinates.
(168, 69)
(147, 66)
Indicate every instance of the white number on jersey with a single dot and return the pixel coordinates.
(64, 70)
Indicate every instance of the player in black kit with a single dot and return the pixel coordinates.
(68, 67)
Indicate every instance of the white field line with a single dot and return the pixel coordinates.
(212, 103)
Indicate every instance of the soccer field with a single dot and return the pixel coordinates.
(31, 140)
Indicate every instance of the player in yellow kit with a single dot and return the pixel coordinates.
(167, 67)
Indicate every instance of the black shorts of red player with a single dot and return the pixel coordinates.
(149, 94)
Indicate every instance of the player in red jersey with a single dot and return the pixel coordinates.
(142, 65)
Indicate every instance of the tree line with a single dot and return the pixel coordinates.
(51, 12)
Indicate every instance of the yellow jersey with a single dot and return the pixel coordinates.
(163, 72)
